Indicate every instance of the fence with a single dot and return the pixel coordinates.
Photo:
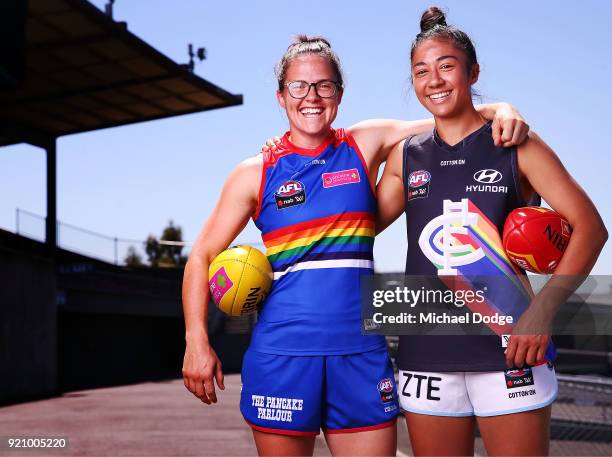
(108, 248)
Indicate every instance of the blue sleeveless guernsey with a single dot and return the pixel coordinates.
(316, 214)
(457, 199)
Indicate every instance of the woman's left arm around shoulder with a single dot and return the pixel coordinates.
(377, 137)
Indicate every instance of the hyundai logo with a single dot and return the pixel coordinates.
(488, 176)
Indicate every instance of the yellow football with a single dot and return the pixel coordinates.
(240, 279)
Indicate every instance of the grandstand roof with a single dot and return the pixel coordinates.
(85, 72)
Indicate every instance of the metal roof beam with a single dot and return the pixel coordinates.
(15, 132)
(88, 90)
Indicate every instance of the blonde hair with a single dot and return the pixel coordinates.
(304, 44)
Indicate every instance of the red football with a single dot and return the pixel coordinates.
(535, 238)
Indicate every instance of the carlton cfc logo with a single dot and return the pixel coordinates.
(418, 178)
(441, 247)
(290, 188)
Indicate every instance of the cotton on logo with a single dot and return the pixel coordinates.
(488, 176)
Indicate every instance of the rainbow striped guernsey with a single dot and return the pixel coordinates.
(341, 240)
(316, 215)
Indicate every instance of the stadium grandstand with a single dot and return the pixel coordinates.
(67, 67)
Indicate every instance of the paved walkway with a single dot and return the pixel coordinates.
(163, 419)
(150, 419)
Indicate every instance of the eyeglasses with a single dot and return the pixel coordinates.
(324, 89)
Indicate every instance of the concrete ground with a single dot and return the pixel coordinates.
(163, 419)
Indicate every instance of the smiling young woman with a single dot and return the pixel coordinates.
(453, 231)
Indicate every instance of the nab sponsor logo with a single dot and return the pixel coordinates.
(290, 193)
(385, 388)
(518, 378)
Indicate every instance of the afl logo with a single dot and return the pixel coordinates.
(488, 176)
(418, 178)
(290, 193)
(385, 389)
(385, 385)
(289, 188)
(418, 184)
(516, 373)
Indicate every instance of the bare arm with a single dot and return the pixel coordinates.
(377, 137)
(549, 178)
(236, 205)
(390, 190)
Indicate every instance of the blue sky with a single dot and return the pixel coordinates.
(551, 59)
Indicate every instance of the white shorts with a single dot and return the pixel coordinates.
(465, 393)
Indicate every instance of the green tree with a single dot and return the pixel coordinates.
(132, 258)
(152, 250)
(166, 255)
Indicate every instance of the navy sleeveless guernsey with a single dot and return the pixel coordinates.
(457, 199)
(316, 214)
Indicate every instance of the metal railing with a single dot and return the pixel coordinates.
(112, 249)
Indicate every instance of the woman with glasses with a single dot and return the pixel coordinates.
(308, 366)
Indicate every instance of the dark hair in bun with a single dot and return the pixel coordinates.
(433, 26)
(303, 45)
(431, 17)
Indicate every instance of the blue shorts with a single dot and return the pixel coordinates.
(299, 395)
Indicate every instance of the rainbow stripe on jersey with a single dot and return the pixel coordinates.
(474, 255)
(338, 241)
